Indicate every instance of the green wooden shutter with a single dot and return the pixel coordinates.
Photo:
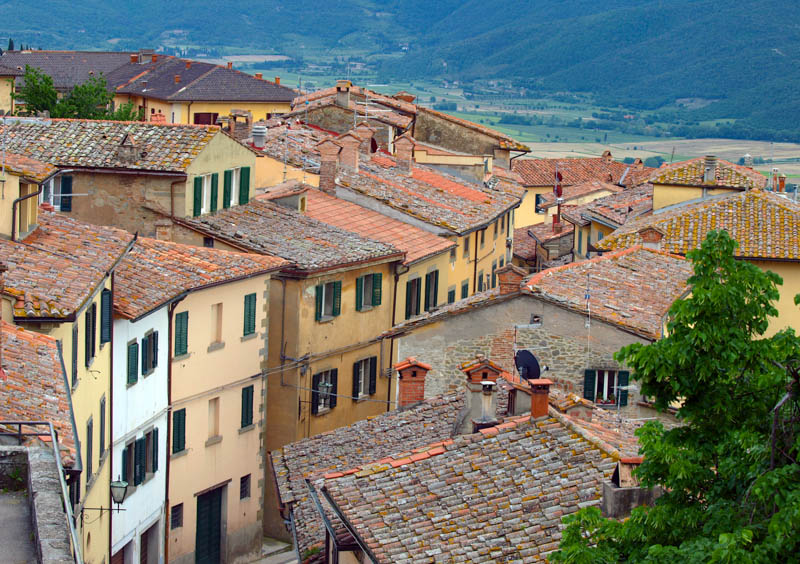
(102, 433)
(145, 352)
(89, 438)
(315, 394)
(178, 430)
(93, 309)
(66, 193)
(623, 376)
(249, 314)
(373, 374)
(247, 406)
(428, 284)
(75, 352)
(334, 388)
(359, 293)
(133, 363)
(155, 449)
(416, 309)
(318, 310)
(154, 349)
(409, 286)
(589, 379)
(124, 474)
(451, 296)
(435, 288)
(87, 337)
(214, 191)
(377, 288)
(197, 205)
(227, 183)
(356, 380)
(181, 333)
(105, 316)
(140, 458)
(244, 185)
(337, 298)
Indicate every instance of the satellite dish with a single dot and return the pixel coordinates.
(527, 365)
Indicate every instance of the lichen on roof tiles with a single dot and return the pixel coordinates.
(692, 172)
(541, 172)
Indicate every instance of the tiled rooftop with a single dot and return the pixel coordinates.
(691, 173)
(58, 267)
(498, 495)
(347, 447)
(524, 244)
(632, 289)
(544, 232)
(67, 68)
(541, 172)
(94, 143)
(415, 242)
(154, 272)
(576, 191)
(264, 227)
(765, 224)
(615, 209)
(296, 144)
(434, 197)
(505, 141)
(28, 167)
(35, 386)
(372, 111)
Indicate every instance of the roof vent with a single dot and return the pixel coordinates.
(748, 160)
(126, 151)
(710, 169)
(259, 136)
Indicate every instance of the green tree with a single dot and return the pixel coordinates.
(10, 44)
(89, 100)
(38, 92)
(127, 112)
(732, 488)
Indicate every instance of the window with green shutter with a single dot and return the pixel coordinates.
(247, 406)
(66, 194)
(178, 430)
(102, 426)
(464, 289)
(249, 314)
(154, 463)
(413, 297)
(368, 291)
(227, 183)
(145, 354)
(589, 381)
(90, 333)
(431, 290)
(214, 191)
(244, 187)
(140, 461)
(133, 362)
(105, 316)
(181, 333)
(197, 202)
(328, 300)
(89, 439)
(75, 353)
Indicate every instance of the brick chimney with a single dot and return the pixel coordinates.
(163, 229)
(411, 382)
(651, 237)
(540, 395)
(510, 278)
(177, 79)
(348, 158)
(154, 58)
(134, 58)
(366, 132)
(329, 157)
(278, 80)
(404, 152)
(188, 64)
(343, 93)
(782, 183)
(230, 65)
(638, 163)
(260, 76)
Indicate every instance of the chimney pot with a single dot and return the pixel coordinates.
(177, 78)
(411, 382)
(366, 132)
(154, 58)
(277, 80)
(710, 168)
(343, 93)
(230, 65)
(259, 76)
(188, 64)
(404, 152)
(782, 183)
(540, 395)
(350, 142)
(329, 154)
(134, 58)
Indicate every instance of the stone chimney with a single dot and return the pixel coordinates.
(540, 396)
(411, 382)
(481, 396)
(510, 278)
(607, 156)
(623, 493)
(404, 152)
(638, 163)
(652, 237)
(348, 158)
(366, 132)
(127, 151)
(163, 229)
(710, 169)
(343, 93)
(329, 157)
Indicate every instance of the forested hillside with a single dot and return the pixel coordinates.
(740, 59)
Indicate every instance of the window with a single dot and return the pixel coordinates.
(494, 273)
(540, 203)
(151, 452)
(466, 246)
(205, 118)
(368, 291)
(127, 473)
(208, 242)
(503, 223)
(580, 241)
(453, 254)
(202, 195)
(328, 300)
(588, 241)
(75, 353)
(364, 377)
(139, 460)
(230, 190)
(247, 406)
(214, 198)
(483, 237)
(451, 294)
(133, 362)
(495, 230)
(244, 487)
(603, 386)
(508, 226)
(176, 516)
(502, 261)
(102, 426)
(181, 333)
(213, 418)
(323, 391)
(249, 314)
(431, 289)
(90, 335)
(178, 430)
(244, 185)
(89, 437)
(480, 281)
(599, 235)
(106, 305)
(58, 193)
(413, 293)
(464, 289)
(149, 352)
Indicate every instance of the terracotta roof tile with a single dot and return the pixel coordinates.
(371, 111)
(28, 167)
(632, 289)
(35, 386)
(544, 232)
(296, 144)
(691, 173)
(94, 143)
(265, 227)
(576, 191)
(615, 209)
(524, 244)
(66, 68)
(154, 272)
(541, 172)
(765, 224)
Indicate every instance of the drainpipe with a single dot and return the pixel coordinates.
(391, 341)
(14, 211)
(170, 312)
(111, 414)
(475, 267)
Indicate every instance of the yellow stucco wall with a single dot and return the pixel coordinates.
(788, 313)
(526, 213)
(183, 112)
(551, 211)
(6, 88)
(440, 262)
(493, 249)
(423, 157)
(206, 372)
(584, 235)
(270, 172)
(667, 195)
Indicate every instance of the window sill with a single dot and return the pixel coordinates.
(181, 357)
(180, 453)
(250, 427)
(249, 337)
(216, 346)
(326, 319)
(366, 308)
(323, 411)
(359, 399)
(214, 440)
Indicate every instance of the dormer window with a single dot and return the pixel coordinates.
(58, 193)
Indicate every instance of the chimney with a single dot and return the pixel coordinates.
(404, 152)
(651, 237)
(163, 229)
(329, 156)
(278, 80)
(607, 156)
(748, 160)
(411, 381)
(154, 58)
(348, 158)
(134, 58)
(230, 65)
(343, 93)
(481, 398)
(510, 278)
(127, 151)
(782, 183)
(540, 396)
(366, 132)
(638, 163)
(188, 64)
(623, 492)
(259, 136)
(259, 76)
(177, 79)
(710, 169)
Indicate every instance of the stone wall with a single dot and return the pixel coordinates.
(340, 120)
(430, 128)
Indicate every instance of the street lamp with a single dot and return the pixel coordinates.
(119, 489)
